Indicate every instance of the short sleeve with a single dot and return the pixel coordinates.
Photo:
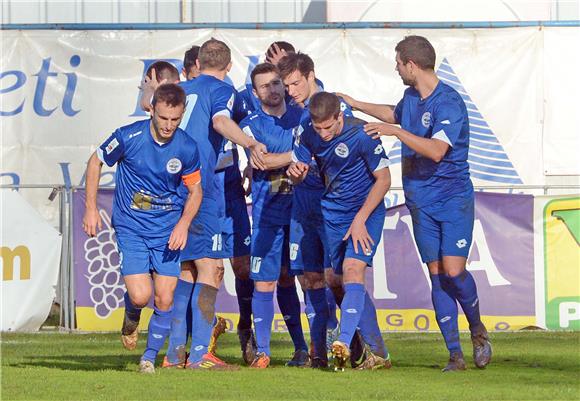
(399, 111)
(373, 153)
(301, 151)
(448, 122)
(345, 108)
(113, 149)
(192, 170)
(241, 108)
(223, 101)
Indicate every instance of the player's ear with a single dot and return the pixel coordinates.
(184, 73)
(229, 67)
(197, 64)
(254, 92)
(311, 77)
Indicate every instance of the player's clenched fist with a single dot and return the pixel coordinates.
(92, 222)
(297, 171)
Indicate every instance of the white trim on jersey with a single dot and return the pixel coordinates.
(384, 163)
(442, 136)
(224, 112)
(248, 131)
(294, 158)
(100, 155)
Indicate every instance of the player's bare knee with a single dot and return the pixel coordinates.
(163, 302)
(353, 271)
(265, 286)
(314, 280)
(241, 267)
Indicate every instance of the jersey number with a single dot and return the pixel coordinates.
(217, 242)
(256, 264)
(189, 105)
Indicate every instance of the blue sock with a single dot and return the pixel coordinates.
(369, 328)
(263, 309)
(159, 327)
(244, 291)
(318, 323)
(445, 307)
(351, 311)
(179, 326)
(466, 294)
(290, 307)
(133, 313)
(332, 320)
(202, 318)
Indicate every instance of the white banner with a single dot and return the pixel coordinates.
(30, 256)
(63, 92)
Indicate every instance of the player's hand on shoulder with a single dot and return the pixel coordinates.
(92, 222)
(376, 129)
(361, 239)
(178, 237)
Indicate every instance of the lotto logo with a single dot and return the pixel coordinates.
(461, 243)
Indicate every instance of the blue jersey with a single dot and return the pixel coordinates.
(272, 189)
(207, 97)
(313, 181)
(442, 116)
(347, 163)
(148, 178)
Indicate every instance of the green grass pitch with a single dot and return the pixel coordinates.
(56, 366)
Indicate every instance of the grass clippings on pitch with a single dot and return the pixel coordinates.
(56, 366)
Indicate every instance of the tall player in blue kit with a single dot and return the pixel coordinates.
(356, 179)
(207, 119)
(309, 251)
(155, 159)
(272, 124)
(439, 194)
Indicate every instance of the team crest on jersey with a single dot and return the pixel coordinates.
(112, 145)
(426, 119)
(379, 149)
(341, 150)
(173, 166)
(297, 133)
(342, 106)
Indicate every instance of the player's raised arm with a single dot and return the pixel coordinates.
(383, 112)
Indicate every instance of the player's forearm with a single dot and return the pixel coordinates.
(376, 194)
(433, 149)
(229, 129)
(192, 204)
(93, 175)
(277, 160)
(383, 112)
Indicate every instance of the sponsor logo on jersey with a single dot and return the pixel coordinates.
(173, 166)
(135, 134)
(341, 150)
(461, 243)
(112, 145)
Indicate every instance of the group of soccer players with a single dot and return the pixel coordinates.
(318, 179)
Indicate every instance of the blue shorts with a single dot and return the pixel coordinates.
(269, 252)
(340, 250)
(308, 245)
(444, 228)
(140, 255)
(236, 230)
(204, 239)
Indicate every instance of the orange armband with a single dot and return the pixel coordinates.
(192, 178)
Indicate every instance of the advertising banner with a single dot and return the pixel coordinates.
(501, 260)
(63, 92)
(30, 258)
(557, 228)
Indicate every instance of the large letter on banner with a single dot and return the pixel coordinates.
(30, 255)
(500, 259)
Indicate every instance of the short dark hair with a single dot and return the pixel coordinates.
(170, 94)
(263, 68)
(163, 70)
(214, 54)
(282, 45)
(323, 106)
(295, 61)
(418, 50)
(189, 58)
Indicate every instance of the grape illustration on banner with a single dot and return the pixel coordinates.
(103, 272)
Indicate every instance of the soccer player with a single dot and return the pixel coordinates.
(308, 250)
(272, 124)
(207, 119)
(434, 132)
(356, 177)
(190, 69)
(150, 218)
